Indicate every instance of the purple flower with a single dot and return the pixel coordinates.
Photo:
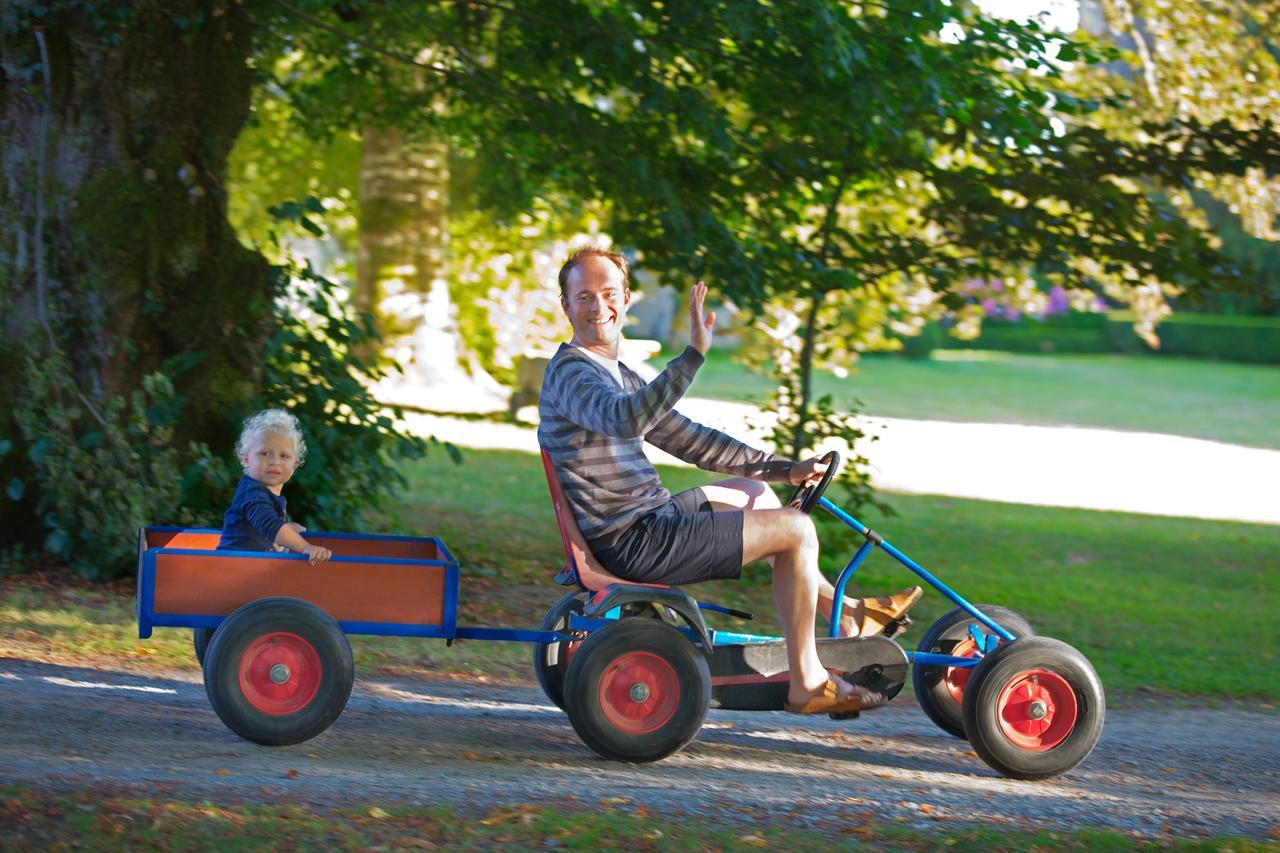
(1058, 303)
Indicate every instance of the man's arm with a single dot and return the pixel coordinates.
(713, 450)
(578, 392)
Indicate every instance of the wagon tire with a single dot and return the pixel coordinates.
(551, 660)
(637, 690)
(200, 638)
(278, 671)
(940, 689)
(1034, 708)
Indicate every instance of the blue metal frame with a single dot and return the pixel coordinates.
(925, 574)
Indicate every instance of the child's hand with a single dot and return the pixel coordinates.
(316, 554)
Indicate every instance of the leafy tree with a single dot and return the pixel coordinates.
(753, 144)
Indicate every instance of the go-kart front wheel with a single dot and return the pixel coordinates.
(551, 660)
(637, 690)
(940, 689)
(278, 671)
(1034, 708)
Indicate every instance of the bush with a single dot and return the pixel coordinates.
(1072, 332)
(1224, 336)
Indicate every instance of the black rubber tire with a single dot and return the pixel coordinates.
(548, 664)
(929, 682)
(1010, 663)
(315, 629)
(684, 688)
(200, 638)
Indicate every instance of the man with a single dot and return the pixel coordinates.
(596, 413)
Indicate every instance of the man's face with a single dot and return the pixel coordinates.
(595, 302)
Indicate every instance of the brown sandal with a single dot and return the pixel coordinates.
(877, 614)
(829, 702)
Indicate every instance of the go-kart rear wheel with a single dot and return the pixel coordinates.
(1034, 708)
(200, 638)
(637, 690)
(278, 671)
(940, 689)
(550, 660)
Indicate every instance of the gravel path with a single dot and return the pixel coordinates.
(1156, 770)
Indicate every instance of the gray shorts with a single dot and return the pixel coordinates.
(681, 542)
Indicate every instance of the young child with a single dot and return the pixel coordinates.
(270, 450)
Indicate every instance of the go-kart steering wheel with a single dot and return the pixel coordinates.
(806, 497)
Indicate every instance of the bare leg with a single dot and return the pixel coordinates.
(789, 538)
(741, 493)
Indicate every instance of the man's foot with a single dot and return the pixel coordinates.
(832, 699)
(871, 616)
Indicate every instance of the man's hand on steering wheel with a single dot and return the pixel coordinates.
(808, 473)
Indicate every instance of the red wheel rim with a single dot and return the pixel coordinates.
(639, 692)
(279, 673)
(1036, 710)
(956, 677)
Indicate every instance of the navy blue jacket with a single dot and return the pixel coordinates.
(253, 519)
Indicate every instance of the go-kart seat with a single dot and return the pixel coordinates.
(582, 567)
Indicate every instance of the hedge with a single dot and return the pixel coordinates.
(1224, 336)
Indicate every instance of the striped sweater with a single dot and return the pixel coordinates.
(595, 434)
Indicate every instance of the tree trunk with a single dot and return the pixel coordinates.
(403, 227)
(800, 437)
(115, 248)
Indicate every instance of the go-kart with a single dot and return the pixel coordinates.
(640, 667)
(634, 666)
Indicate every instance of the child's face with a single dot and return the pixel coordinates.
(270, 460)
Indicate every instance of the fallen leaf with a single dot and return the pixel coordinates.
(653, 834)
(1169, 769)
(224, 772)
(753, 840)
(614, 801)
(469, 755)
(378, 813)
(291, 774)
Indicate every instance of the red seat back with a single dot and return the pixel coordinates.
(590, 574)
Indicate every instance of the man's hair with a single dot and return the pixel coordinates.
(278, 421)
(619, 261)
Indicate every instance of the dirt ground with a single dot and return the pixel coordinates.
(1157, 769)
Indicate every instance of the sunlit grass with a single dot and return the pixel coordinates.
(1196, 398)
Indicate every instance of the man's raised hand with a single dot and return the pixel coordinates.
(699, 323)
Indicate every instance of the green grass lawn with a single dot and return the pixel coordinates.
(1160, 604)
(1221, 401)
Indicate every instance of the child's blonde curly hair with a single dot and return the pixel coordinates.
(277, 421)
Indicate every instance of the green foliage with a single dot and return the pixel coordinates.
(100, 475)
(1232, 338)
(1071, 332)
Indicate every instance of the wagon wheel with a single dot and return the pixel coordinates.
(1034, 708)
(806, 497)
(637, 690)
(200, 638)
(940, 689)
(551, 660)
(278, 671)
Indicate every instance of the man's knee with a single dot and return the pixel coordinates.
(799, 533)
